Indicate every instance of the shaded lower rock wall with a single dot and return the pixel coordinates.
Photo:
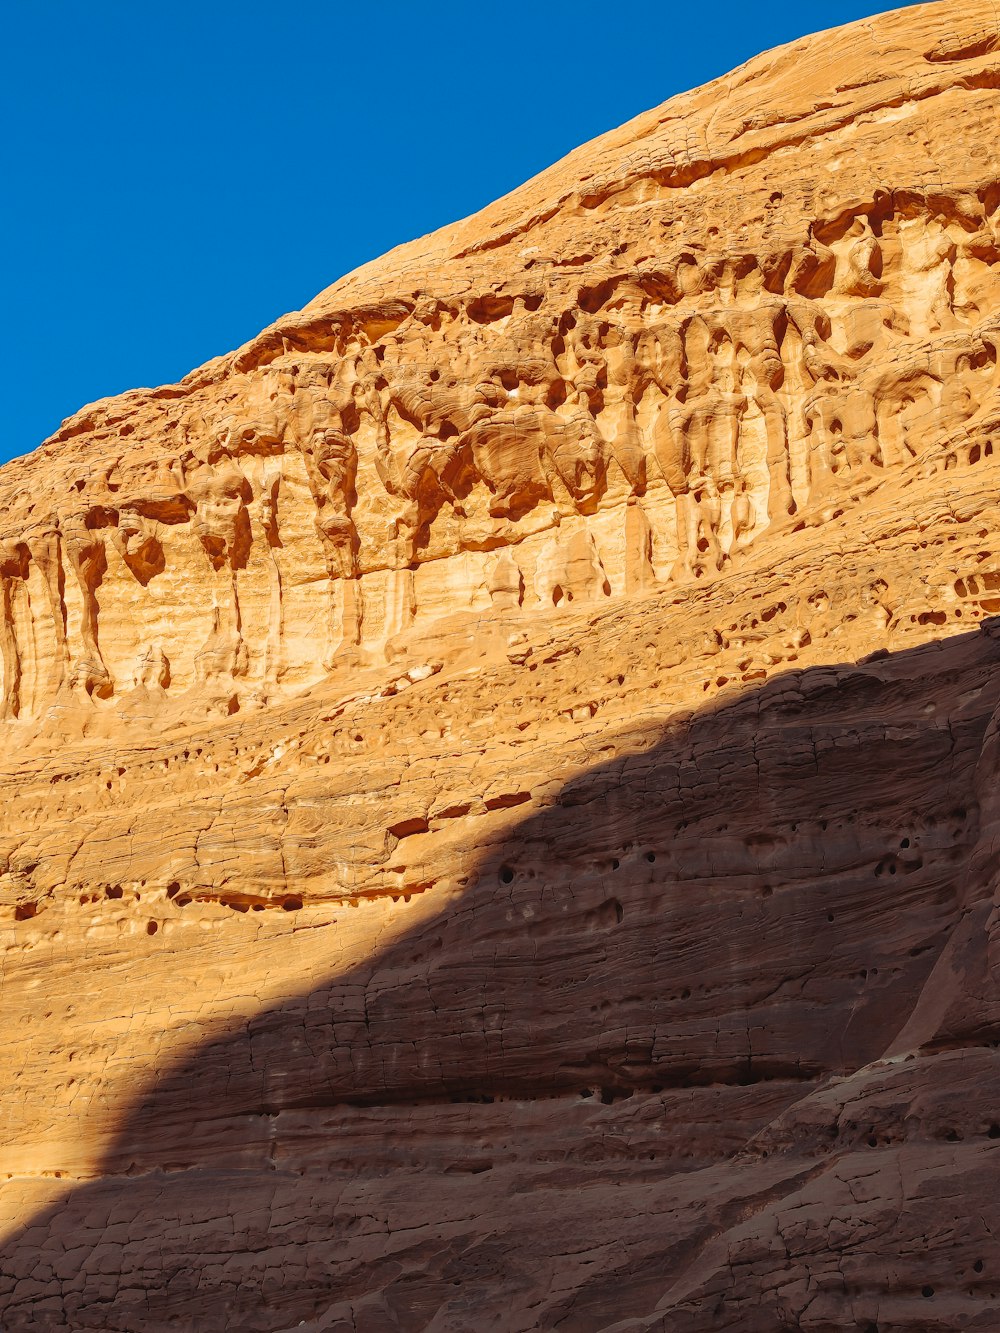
(710, 1042)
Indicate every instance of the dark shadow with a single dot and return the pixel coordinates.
(526, 1112)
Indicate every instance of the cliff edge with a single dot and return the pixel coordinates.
(500, 772)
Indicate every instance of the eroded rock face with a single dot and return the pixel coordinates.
(501, 772)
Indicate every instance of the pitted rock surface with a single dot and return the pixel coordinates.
(501, 774)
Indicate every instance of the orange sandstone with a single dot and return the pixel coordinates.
(500, 773)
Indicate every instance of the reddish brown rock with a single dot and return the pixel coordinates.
(501, 805)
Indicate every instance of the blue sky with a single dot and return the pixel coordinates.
(178, 174)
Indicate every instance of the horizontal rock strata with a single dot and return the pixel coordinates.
(501, 772)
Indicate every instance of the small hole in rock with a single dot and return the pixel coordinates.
(506, 875)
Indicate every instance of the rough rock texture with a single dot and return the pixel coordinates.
(500, 774)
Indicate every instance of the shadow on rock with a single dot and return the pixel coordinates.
(612, 1085)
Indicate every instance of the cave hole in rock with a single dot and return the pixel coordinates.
(609, 1095)
(506, 875)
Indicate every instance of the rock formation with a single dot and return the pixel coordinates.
(501, 772)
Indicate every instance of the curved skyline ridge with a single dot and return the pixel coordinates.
(156, 168)
(501, 793)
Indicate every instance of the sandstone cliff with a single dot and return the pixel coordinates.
(500, 773)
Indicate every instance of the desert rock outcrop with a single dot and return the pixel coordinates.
(500, 773)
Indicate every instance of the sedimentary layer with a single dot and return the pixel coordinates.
(500, 772)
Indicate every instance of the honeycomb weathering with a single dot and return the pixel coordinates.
(500, 778)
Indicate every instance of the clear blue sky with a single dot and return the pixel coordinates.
(177, 174)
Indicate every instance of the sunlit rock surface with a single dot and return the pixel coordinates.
(500, 781)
